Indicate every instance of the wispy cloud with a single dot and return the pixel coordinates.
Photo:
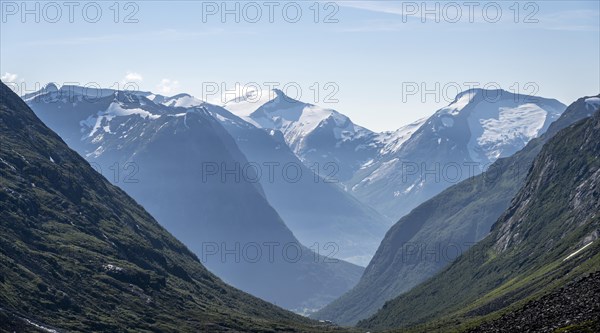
(9, 77)
(133, 77)
(564, 20)
(167, 86)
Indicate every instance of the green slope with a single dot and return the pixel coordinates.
(554, 214)
(432, 235)
(78, 254)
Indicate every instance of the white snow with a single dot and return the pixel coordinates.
(576, 252)
(408, 189)
(51, 159)
(393, 141)
(244, 106)
(367, 164)
(115, 109)
(43, 328)
(516, 125)
(382, 171)
(111, 267)
(455, 107)
(185, 101)
(96, 152)
(593, 102)
(295, 119)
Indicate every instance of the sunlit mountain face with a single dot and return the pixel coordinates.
(298, 166)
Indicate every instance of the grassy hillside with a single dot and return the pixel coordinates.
(432, 235)
(78, 254)
(528, 251)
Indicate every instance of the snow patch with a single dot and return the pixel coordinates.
(578, 251)
(393, 141)
(40, 327)
(519, 124)
(455, 107)
(593, 103)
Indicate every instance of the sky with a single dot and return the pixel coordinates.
(382, 63)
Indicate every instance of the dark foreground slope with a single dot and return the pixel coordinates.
(546, 238)
(558, 309)
(432, 235)
(78, 254)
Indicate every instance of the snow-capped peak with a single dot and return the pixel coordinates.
(459, 103)
(182, 100)
(494, 123)
(245, 105)
(593, 103)
(115, 109)
(392, 141)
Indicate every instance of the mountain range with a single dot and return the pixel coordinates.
(174, 161)
(78, 254)
(496, 196)
(546, 238)
(435, 233)
(393, 172)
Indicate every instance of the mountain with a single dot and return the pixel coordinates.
(459, 141)
(78, 254)
(184, 168)
(432, 235)
(312, 205)
(547, 238)
(394, 172)
(554, 311)
(323, 139)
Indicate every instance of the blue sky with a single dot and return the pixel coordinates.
(364, 59)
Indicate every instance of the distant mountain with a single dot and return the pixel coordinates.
(432, 235)
(78, 254)
(185, 168)
(394, 172)
(459, 141)
(313, 206)
(546, 238)
(323, 139)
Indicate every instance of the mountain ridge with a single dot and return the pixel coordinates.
(546, 238)
(71, 241)
(447, 225)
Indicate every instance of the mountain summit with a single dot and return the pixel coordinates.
(78, 254)
(459, 141)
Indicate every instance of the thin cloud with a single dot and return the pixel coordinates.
(9, 77)
(564, 20)
(167, 86)
(133, 77)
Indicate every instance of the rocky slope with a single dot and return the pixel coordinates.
(456, 143)
(572, 308)
(432, 235)
(546, 238)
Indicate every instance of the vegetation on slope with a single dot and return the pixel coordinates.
(525, 256)
(432, 235)
(78, 254)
